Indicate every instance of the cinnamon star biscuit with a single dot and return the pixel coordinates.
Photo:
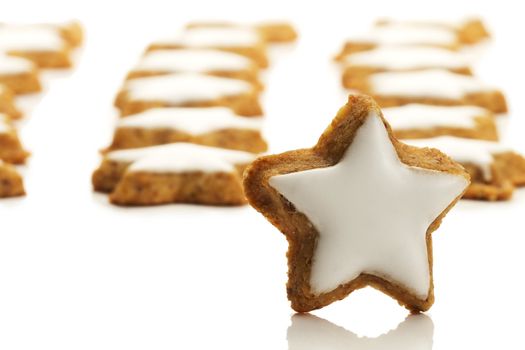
(357, 209)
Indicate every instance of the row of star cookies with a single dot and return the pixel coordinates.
(451, 35)
(190, 117)
(24, 48)
(415, 71)
(416, 62)
(207, 64)
(24, 51)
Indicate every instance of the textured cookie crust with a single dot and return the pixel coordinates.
(11, 150)
(72, 33)
(275, 32)
(7, 103)
(508, 172)
(473, 31)
(469, 32)
(11, 184)
(351, 47)
(238, 139)
(250, 75)
(22, 83)
(257, 53)
(245, 104)
(493, 100)
(353, 72)
(140, 188)
(72, 36)
(47, 59)
(144, 188)
(499, 188)
(106, 177)
(485, 129)
(302, 235)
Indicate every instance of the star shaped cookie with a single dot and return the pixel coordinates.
(357, 209)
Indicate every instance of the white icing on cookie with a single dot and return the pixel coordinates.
(371, 211)
(421, 116)
(191, 120)
(181, 157)
(203, 37)
(185, 87)
(434, 83)
(390, 35)
(192, 60)
(454, 23)
(407, 58)
(466, 151)
(10, 65)
(26, 38)
(24, 25)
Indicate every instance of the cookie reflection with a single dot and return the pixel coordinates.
(308, 332)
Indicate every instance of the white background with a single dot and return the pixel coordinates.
(78, 273)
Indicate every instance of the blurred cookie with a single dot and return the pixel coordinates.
(401, 59)
(243, 41)
(468, 30)
(7, 103)
(173, 173)
(11, 184)
(494, 168)
(19, 74)
(11, 150)
(400, 35)
(40, 44)
(70, 31)
(271, 31)
(416, 121)
(188, 90)
(212, 126)
(433, 86)
(212, 62)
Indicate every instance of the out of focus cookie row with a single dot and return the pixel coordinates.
(25, 50)
(421, 74)
(191, 117)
